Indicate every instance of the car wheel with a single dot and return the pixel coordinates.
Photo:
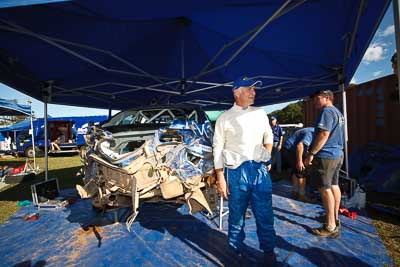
(29, 152)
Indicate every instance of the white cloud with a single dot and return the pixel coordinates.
(353, 80)
(374, 53)
(377, 73)
(388, 31)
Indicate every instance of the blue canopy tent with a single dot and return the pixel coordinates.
(136, 53)
(19, 126)
(11, 108)
(102, 54)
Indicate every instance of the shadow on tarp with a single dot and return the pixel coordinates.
(194, 232)
(29, 264)
(167, 235)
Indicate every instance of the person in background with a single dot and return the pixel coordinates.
(55, 145)
(278, 139)
(395, 92)
(394, 63)
(8, 142)
(242, 144)
(294, 151)
(325, 158)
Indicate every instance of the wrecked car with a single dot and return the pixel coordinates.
(128, 161)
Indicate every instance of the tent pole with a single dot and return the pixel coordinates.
(46, 156)
(183, 82)
(346, 137)
(33, 137)
(109, 113)
(46, 97)
(396, 18)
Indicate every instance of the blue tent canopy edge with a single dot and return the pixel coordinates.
(152, 52)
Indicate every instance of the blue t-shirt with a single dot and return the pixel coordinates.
(331, 120)
(277, 131)
(304, 135)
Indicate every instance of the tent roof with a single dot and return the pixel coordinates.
(106, 54)
(10, 108)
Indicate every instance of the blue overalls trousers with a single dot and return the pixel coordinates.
(250, 182)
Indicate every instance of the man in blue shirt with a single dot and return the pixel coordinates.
(278, 139)
(294, 151)
(325, 157)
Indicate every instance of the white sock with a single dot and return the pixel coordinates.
(330, 228)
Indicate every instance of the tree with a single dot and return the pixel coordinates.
(292, 113)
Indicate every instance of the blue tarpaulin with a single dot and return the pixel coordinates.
(10, 108)
(106, 54)
(167, 235)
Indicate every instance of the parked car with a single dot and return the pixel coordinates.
(130, 128)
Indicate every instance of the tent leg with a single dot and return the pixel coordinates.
(46, 97)
(33, 138)
(396, 18)
(344, 108)
(46, 156)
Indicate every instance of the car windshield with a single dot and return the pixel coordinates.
(153, 116)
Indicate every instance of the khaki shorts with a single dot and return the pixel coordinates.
(325, 172)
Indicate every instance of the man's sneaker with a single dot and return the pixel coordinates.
(306, 199)
(324, 232)
(338, 225)
(294, 195)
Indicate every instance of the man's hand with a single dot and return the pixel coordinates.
(300, 166)
(308, 160)
(221, 185)
(279, 147)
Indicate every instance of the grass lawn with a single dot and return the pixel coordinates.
(65, 169)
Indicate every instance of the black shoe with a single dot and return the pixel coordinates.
(324, 232)
(338, 225)
(269, 259)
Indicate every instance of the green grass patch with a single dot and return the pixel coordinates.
(63, 168)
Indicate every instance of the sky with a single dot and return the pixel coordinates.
(375, 64)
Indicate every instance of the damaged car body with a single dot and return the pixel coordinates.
(128, 162)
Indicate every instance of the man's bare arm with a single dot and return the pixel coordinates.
(299, 156)
(320, 139)
(268, 147)
(221, 183)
